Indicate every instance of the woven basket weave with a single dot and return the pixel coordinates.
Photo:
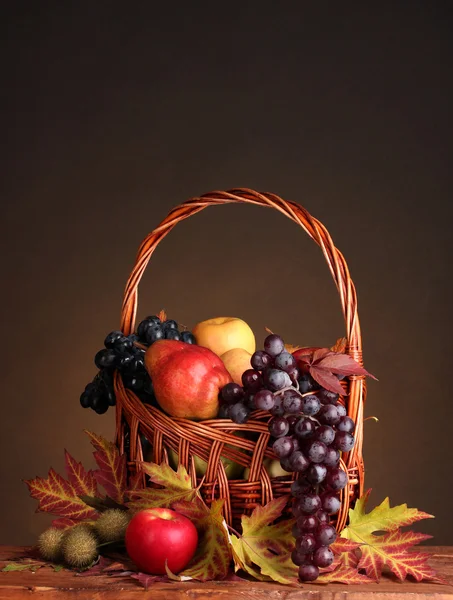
(212, 439)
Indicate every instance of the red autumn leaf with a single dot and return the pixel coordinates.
(59, 497)
(343, 574)
(64, 523)
(83, 481)
(326, 379)
(340, 364)
(112, 467)
(346, 553)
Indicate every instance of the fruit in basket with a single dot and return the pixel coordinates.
(236, 361)
(273, 468)
(224, 333)
(186, 378)
(159, 535)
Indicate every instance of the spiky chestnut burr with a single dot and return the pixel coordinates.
(112, 524)
(80, 547)
(50, 544)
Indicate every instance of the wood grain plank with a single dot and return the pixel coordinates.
(45, 584)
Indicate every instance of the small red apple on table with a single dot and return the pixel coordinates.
(160, 535)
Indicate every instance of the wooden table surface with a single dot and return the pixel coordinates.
(46, 584)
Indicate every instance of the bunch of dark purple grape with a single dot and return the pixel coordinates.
(309, 428)
(127, 355)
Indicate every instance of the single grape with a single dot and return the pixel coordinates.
(341, 410)
(285, 361)
(304, 428)
(316, 473)
(137, 364)
(316, 451)
(328, 415)
(276, 379)
(332, 457)
(343, 441)
(99, 404)
(306, 543)
(292, 401)
(292, 420)
(111, 398)
(307, 523)
(284, 463)
(170, 324)
(111, 338)
(310, 405)
(330, 503)
(231, 393)
(154, 333)
(323, 557)
(278, 410)
(135, 383)
(345, 424)
(298, 462)
(307, 384)
(188, 337)
(105, 359)
(294, 374)
(296, 443)
(323, 517)
(260, 360)
(325, 535)
(283, 447)
(85, 402)
(122, 345)
(306, 504)
(298, 557)
(278, 427)
(299, 488)
(337, 479)
(325, 434)
(327, 397)
(224, 412)
(172, 334)
(308, 572)
(145, 325)
(239, 413)
(252, 380)
(273, 345)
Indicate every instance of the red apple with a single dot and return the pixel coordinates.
(157, 535)
(186, 378)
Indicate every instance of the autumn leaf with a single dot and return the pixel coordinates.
(381, 518)
(391, 549)
(112, 467)
(346, 553)
(162, 315)
(340, 345)
(32, 566)
(266, 546)
(147, 580)
(324, 365)
(343, 574)
(64, 523)
(59, 497)
(213, 556)
(82, 481)
(176, 487)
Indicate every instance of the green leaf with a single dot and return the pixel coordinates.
(382, 518)
(23, 566)
(177, 487)
(213, 557)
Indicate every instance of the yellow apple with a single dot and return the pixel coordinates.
(236, 362)
(224, 333)
(272, 467)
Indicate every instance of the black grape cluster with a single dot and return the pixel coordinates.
(309, 429)
(127, 355)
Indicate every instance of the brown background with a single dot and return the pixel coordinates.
(114, 113)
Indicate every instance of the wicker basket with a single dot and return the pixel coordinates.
(212, 439)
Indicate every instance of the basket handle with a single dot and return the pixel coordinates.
(293, 211)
